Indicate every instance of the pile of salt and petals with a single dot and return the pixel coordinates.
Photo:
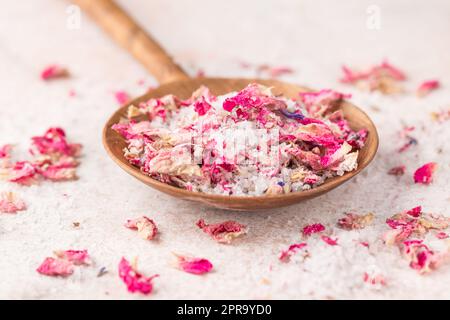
(249, 142)
(53, 158)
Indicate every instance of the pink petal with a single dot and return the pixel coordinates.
(194, 265)
(293, 248)
(330, 241)
(77, 257)
(145, 226)
(55, 267)
(374, 278)
(353, 221)
(442, 235)
(10, 203)
(313, 228)
(54, 72)
(424, 174)
(5, 151)
(122, 97)
(135, 281)
(23, 172)
(397, 171)
(426, 87)
(223, 232)
(202, 107)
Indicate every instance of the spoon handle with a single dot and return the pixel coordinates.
(126, 32)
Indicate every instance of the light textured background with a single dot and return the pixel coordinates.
(314, 38)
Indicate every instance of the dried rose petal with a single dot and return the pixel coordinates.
(54, 72)
(441, 235)
(122, 97)
(397, 171)
(328, 240)
(424, 174)
(353, 221)
(5, 151)
(426, 87)
(145, 227)
(194, 265)
(312, 228)
(374, 278)
(413, 221)
(202, 107)
(293, 248)
(77, 257)
(23, 172)
(54, 142)
(223, 232)
(135, 281)
(10, 203)
(364, 244)
(420, 256)
(383, 77)
(55, 267)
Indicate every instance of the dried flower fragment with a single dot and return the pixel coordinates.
(55, 267)
(54, 158)
(194, 265)
(413, 222)
(122, 97)
(312, 228)
(421, 258)
(145, 227)
(383, 77)
(293, 248)
(328, 240)
(223, 232)
(397, 171)
(77, 257)
(63, 264)
(54, 72)
(352, 221)
(135, 281)
(10, 203)
(424, 174)
(442, 235)
(374, 279)
(426, 87)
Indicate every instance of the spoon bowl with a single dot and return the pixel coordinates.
(114, 144)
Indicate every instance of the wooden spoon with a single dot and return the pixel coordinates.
(175, 81)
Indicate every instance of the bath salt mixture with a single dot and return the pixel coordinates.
(249, 142)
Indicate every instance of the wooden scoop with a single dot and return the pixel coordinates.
(175, 81)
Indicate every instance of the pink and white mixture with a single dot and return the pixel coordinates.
(249, 142)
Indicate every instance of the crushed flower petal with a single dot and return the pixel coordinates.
(135, 281)
(223, 232)
(426, 87)
(328, 240)
(424, 174)
(145, 227)
(194, 265)
(54, 72)
(55, 267)
(312, 228)
(10, 203)
(293, 248)
(352, 221)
